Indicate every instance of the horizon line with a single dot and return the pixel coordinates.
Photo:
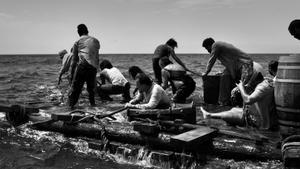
(143, 53)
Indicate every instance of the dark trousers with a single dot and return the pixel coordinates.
(108, 89)
(83, 73)
(184, 90)
(157, 70)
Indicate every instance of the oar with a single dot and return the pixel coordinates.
(194, 73)
(98, 117)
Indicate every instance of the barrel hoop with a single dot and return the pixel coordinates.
(287, 80)
(289, 123)
(288, 109)
(297, 144)
(288, 67)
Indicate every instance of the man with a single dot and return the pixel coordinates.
(238, 66)
(66, 63)
(152, 94)
(294, 28)
(118, 84)
(86, 63)
(259, 107)
(182, 84)
(164, 50)
(256, 78)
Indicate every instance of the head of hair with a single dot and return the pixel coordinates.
(163, 62)
(62, 53)
(105, 64)
(295, 24)
(171, 42)
(82, 29)
(144, 80)
(134, 70)
(273, 65)
(208, 42)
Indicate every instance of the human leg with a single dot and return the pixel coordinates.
(126, 92)
(185, 90)
(76, 86)
(156, 70)
(234, 116)
(90, 83)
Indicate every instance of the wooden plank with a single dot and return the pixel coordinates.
(194, 138)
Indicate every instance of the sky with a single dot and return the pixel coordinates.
(138, 26)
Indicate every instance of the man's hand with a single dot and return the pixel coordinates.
(129, 105)
(59, 80)
(204, 74)
(240, 85)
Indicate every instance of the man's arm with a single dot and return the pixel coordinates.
(174, 56)
(136, 100)
(103, 76)
(74, 61)
(153, 101)
(211, 62)
(254, 97)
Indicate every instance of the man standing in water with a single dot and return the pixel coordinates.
(164, 50)
(84, 65)
(238, 66)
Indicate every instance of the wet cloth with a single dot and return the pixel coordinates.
(87, 48)
(262, 113)
(66, 63)
(154, 98)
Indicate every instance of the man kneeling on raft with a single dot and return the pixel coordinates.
(182, 84)
(152, 94)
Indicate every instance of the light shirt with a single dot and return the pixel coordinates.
(87, 48)
(172, 72)
(66, 63)
(264, 103)
(156, 97)
(114, 76)
(231, 57)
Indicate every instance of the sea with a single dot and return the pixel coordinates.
(32, 80)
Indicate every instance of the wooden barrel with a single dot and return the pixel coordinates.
(287, 95)
(290, 150)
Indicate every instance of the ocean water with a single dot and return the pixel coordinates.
(32, 80)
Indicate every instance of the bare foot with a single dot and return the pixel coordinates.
(206, 114)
